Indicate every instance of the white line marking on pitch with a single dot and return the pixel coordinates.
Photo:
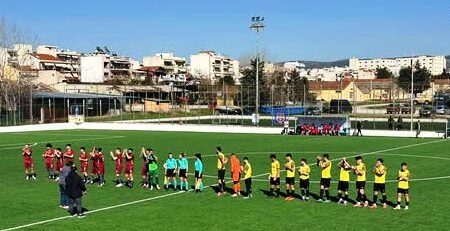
(180, 192)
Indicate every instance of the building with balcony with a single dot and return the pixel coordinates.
(434, 64)
(211, 66)
(174, 67)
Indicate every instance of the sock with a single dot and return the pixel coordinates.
(174, 183)
(277, 191)
(327, 194)
(407, 203)
(201, 186)
(398, 203)
(156, 180)
(186, 185)
(364, 197)
(292, 193)
(384, 198)
(346, 196)
(223, 186)
(271, 191)
(358, 197)
(375, 198)
(307, 192)
(321, 194)
(219, 187)
(288, 193)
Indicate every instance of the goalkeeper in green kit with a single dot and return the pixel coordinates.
(152, 169)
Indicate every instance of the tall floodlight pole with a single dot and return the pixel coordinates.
(412, 92)
(257, 25)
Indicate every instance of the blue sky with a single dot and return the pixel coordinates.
(311, 30)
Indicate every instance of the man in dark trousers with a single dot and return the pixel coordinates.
(399, 123)
(417, 128)
(358, 127)
(75, 189)
(390, 123)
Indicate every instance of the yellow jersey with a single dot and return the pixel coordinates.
(220, 161)
(403, 181)
(380, 174)
(326, 169)
(247, 171)
(291, 171)
(360, 172)
(275, 169)
(344, 174)
(304, 172)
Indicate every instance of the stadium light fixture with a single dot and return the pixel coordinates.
(257, 24)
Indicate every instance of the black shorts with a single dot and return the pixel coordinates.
(221, 174)
(377, 187)
(248, 182)
(197, 175)
(290, 180)
(304, 184)
(360, 184)
(171, 173)
(402, 190)
(343, 186)
(182, 173)
(325, 182)
(274, 181)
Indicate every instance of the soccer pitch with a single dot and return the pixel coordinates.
(33, 205)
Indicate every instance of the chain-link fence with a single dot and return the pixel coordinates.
(376, 106)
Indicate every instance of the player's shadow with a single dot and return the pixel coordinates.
(266, 192)
(391, 203)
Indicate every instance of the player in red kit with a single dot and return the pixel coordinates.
(59, 161)
(100, 158)
(69, 154)
(144, 169)
(129, 159)
(94, 169)
(28, 162)
(84, 159)
(117, 156)
(48, 159)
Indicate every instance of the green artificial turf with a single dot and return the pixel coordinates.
(24, 202)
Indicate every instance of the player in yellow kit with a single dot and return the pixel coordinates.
(274, 176)
(303, 173)
(221, 163)
(290, 177)
(344, 178)
(325, 164)
(247, 170)
(403, 186)
(360, 171)
(379, 184)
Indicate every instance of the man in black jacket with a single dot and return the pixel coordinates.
(75, 189)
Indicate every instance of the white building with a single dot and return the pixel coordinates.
(435, 64)
(212, 66)
(293, 65)
(175, 67)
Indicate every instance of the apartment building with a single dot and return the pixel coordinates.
(174, 67)
(435, 64)
(211, 66)
(101, 66)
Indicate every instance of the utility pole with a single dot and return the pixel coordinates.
(257, 25)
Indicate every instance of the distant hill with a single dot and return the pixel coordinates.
(319, 64)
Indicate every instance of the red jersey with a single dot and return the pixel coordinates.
(100, 159)
(59, 160)
(129, 158)
(84, 158)
(119, 159)
(27, 153)
(48, 157)
(69, 155)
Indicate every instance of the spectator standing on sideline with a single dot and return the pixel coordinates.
(399, 123)
(417, 128)
(286, 127)
(63, 199)
(358, 128)
(75, 189)
(390, 123)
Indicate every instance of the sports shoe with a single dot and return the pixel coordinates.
(303, 198)
(384, 205)
(326, 201)
(307, 198)
(345, 203)
(406, 207)
(358, 204)
(247, 197)
(157, 186)
(291, 199)
(287, 198)
(34, 178)
(119, 185)
(340, 201)
(57, 178)
(219, 194)
(374, 206)
(151, 187)
(27, 178)
(234, 195)
(319, 201)
(397, 207)
(366, 204)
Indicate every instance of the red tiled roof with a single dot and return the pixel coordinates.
(46, 57)
(328, 85)
(442, 81)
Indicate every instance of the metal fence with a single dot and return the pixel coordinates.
(224, 105)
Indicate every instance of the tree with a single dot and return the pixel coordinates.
(422, 78)
(383, 73)
(227, 80)
(248, 82)
(299, 87)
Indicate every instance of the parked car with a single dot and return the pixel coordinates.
(340, 106)
(426, 111)
(228, 110)
(398, 109)
(313, 111)
(442, 110)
